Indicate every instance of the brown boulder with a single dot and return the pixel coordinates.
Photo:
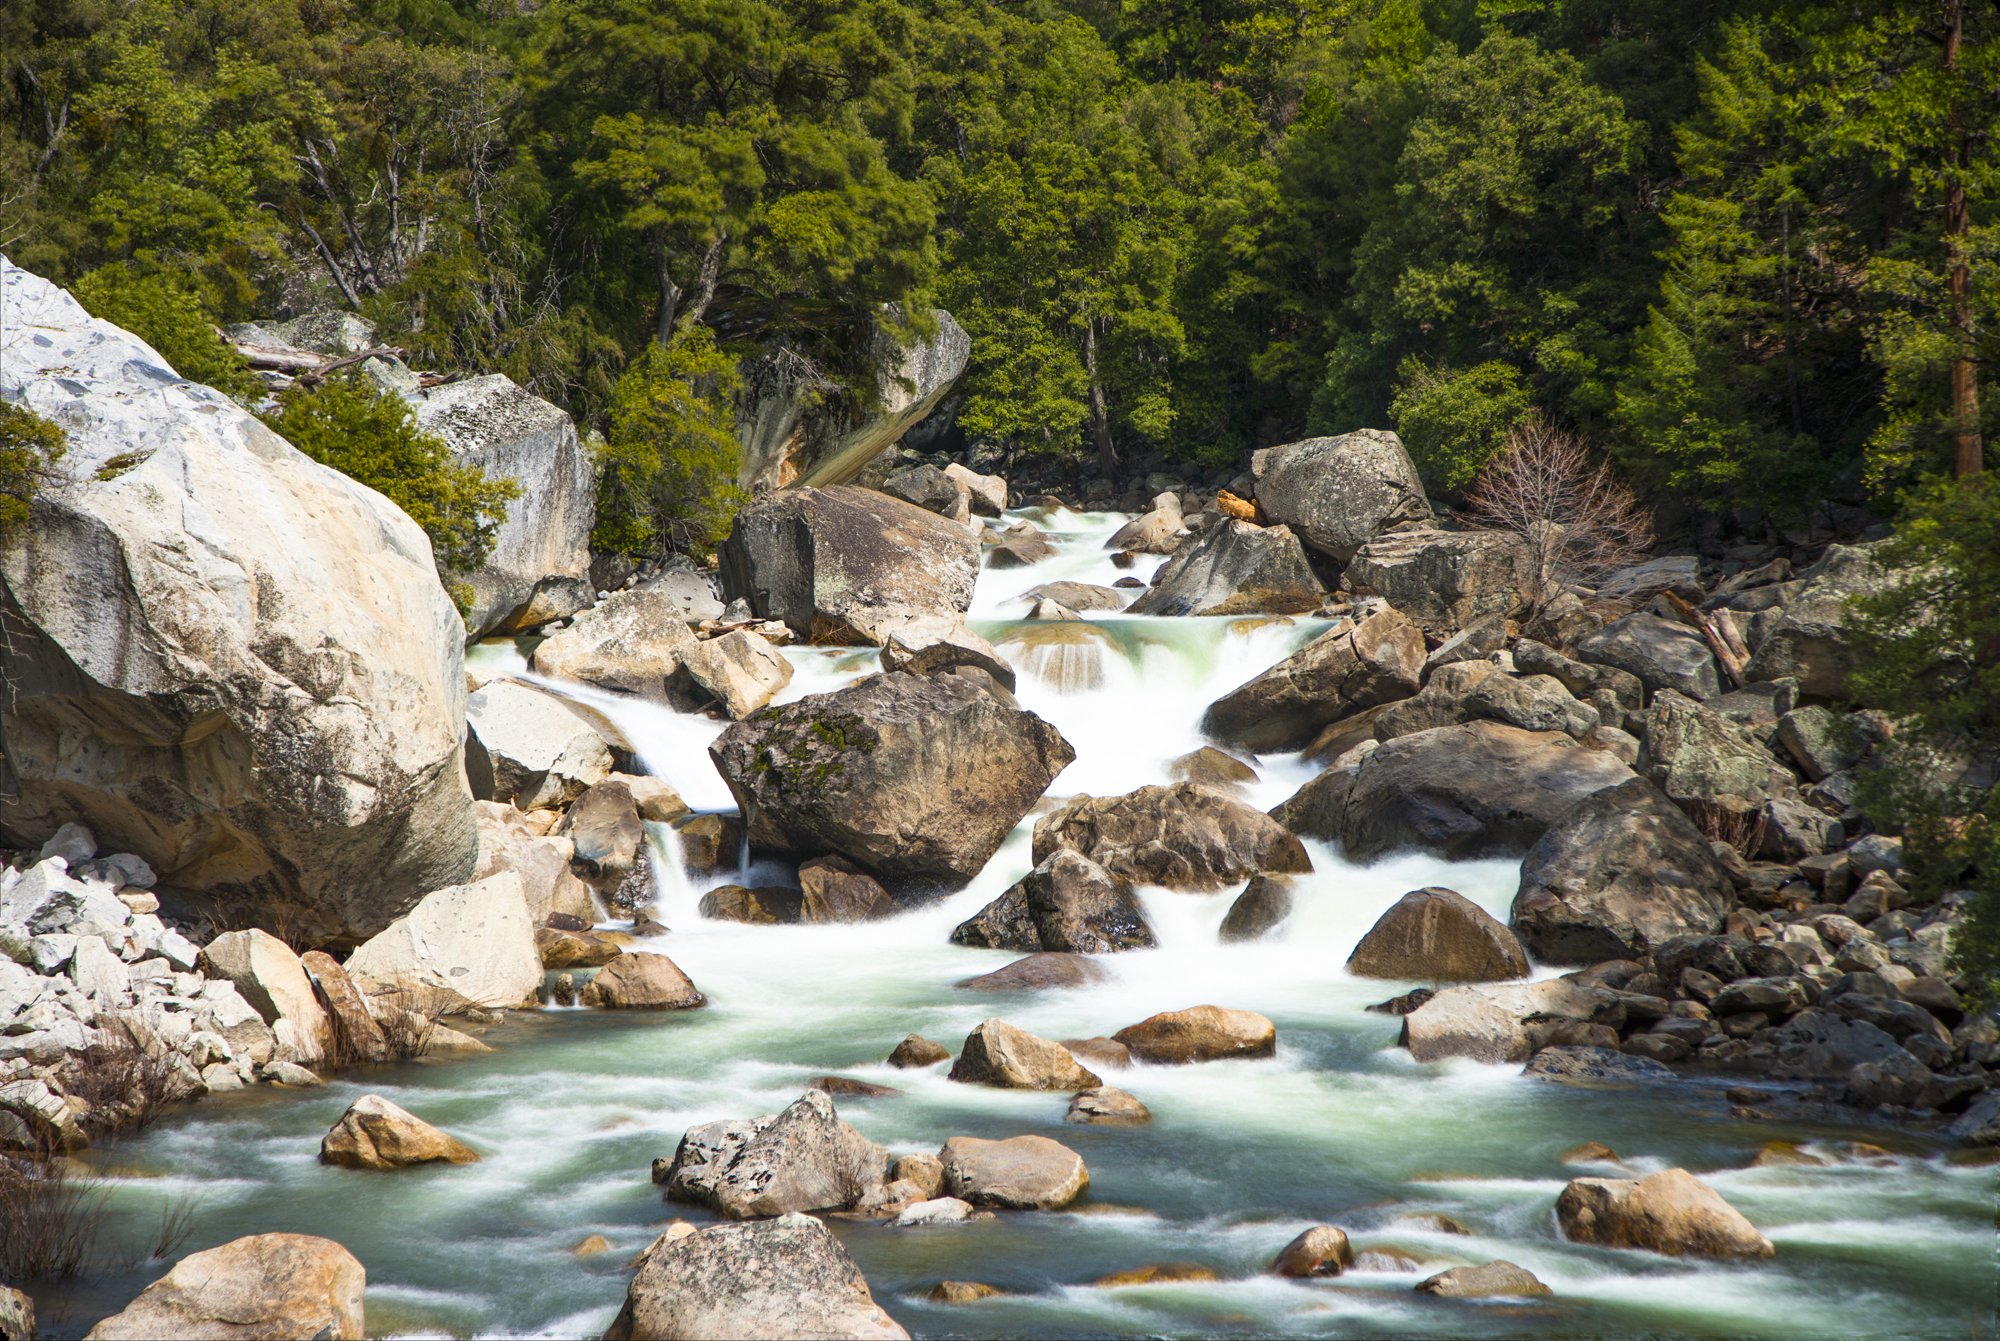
(375, 1134)
(1036, 972)
(1200, 1034)
(1067, 904)
(771, 905)
(1338, 673)
(1438, 935)
(357, 1038)
(1157, 1273)
(609, 837)
(1184, 835)
(641, 981)
(1264, 903)
(1211, 768)
(1672, 1213)
(998, 1054)
(1100, 1052)
(1027, 1173)
(1482, 1282)
(916, 1051)
(574, 949)
(836, 891)
(1109, 1106)
(1321, 1251)
(266, 1287)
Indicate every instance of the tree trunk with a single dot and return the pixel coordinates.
(704, 284)
(670, 292)
(1964, 380)
(1100, 420)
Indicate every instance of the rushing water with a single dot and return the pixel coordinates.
(571, 1108)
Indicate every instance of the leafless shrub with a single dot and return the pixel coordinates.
(409, 1019)
(1741, 829)
(176, 1224)
(126, 1086)
(49, 1217)
(1575, 521)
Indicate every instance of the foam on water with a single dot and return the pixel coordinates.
(1341, 1126)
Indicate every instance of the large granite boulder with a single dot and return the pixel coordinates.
(1338, 494)
(267, 974)
(1199, 1034)
(520, 841)
(640, 980)
(531, 749)
(1069, 904)
(539, 566)
(739, 671)
(1027, 1173)
(1812, 640)
(1672, 1212)
(1476, 790)
(1005, 1057)
(1336, 674)
(1662, 653)
(607, 837)
(935, 646)
(786, 1279)
(795, 426)
(264, 1286)
(224, 657)
(1705, 762)
(845, 565)
(1236, 568)
(376, 1134)
(632, 642)
(474, 942)
(1444, 579)
(1491, 1023)
(913, 778)
(1438, 935)
(1181, 836)
(803, 1159)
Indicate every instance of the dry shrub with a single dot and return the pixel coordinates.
(126, 1086)
(1574, 519)
(409, 1018)
(50, 1216)
(1741, 829)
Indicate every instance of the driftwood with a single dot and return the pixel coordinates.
(1728, 647)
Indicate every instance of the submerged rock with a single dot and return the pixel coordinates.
(1109, 1106)
(1438, 935)
(1332, 677)
(1067, 904)
(1027, 1173)
(1497, 1278)
(376, 1134)
(1594, 1068)
(912, 778)
(265, 1285)
(916, 1051)
(1320, 1251)
(786, 1279)
(1672, 1213)
(1183, 835)
(1038, 972)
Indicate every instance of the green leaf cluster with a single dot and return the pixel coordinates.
(173, 320)
(670, 458)
(30, 449)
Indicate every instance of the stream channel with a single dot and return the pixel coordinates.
(571, 1108)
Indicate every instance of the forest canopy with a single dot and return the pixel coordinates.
(1743, 248)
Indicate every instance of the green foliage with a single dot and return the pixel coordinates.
(1929, 653)
(171, 320)
(30, 448)
(373, 437)
(670, 459)
(1454, 422)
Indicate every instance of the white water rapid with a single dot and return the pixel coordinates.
(571, 1107)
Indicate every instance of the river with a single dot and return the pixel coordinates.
(572, 1106)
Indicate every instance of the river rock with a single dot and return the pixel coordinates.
(1339, 493)
(998, 1054)
(1533, 703)
(911, 778)
(837, 563)
(1476, 790)
(1621, 871)
(220, 598)
(357, 1038)
(1211, 768)
(836, 891)
(474, 941)
(1812, 640)
(918, 1051)
(1068, 904)
(1980, 1123)
(1671, 1212)
(640, 980)
(1443, 701)
(608, 839)
(930, 489)
(1200, 1034)
(530, 748)
(1159, 531)
(1077, 596)
(1180, 836)
(539, 566)
(961, 1292)
(1337, 674)
(1237, 568)
(1038, 972)
(269, 976)
(520, 841)
(1491, 1023)
(1262, 906)
(933, 646)
(375, 1134)
(1701, 759)
(1108, 1106)
(740, 671)
(986, 495)
(1321, 1250)
(1594, 1068)
(1662, 653)
(1444, 580)
(804, 1159)
(1027, 1173)
(265, 1286)
(1496, 1278)
(559, 949)
(1438, 935)
(633, 642)
(767, 906)
(786, 1279)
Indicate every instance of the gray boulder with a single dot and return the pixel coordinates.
(930, 489)
(1700, 759)
(804, 1159)
(1662, 653)
(933, 646)
(1493, 1280)
(1067, 903)
(1028, 1173)
(1618, 873)
(1338, 673)
(531, 748)
(1979, 1124)
(913, 778)
(777, 1280)
(1481, 789)
(1679, 573)
(1438, 935)
(1594, 1068)
(845, 565)
(1237, 568)
(1820, 1045)
(1821, 741)
(739, 671)
(212, 600)
(634, 642)
(1180, 836)
(539, 567)
(1812, 640)
(1444, 580)
(1337, 494)
(1260, 909)
(1533, 703)
(1077, 596)
(1491, 1023)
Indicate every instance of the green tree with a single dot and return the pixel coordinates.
(158, 310)
(30, 449)
(670, 458)
(373, 437)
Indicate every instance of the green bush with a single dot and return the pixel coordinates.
(1453, 422)
(30, 447)
(670, 462)
(171, 320)
(373, 437)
